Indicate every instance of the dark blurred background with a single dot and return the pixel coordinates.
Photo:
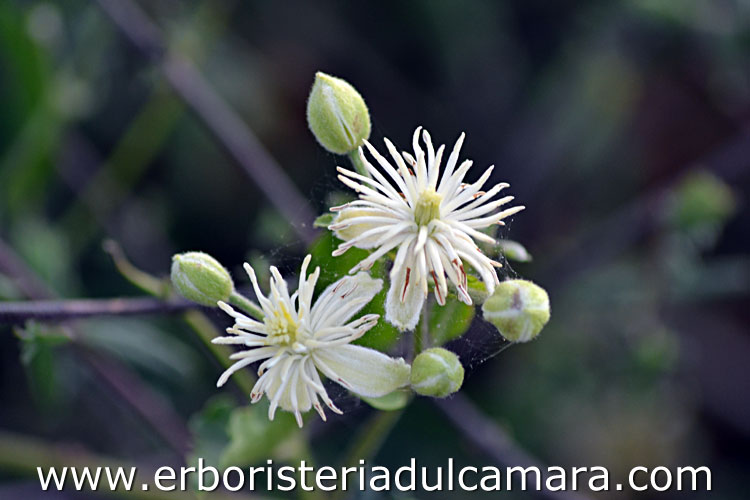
(624, 127)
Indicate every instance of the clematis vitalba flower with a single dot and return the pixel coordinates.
(430, 219)
(298, 340)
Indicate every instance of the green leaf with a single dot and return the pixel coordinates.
(209, 430)
(383, 336)
(333, 268)
(30, 129)
(514, 251)
(46, 249)
(324, 220)
(253, 438)
(390, 402)
(450, 321)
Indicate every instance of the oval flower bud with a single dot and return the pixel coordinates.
(199, 277)
(337, 114)
(436, 372)
(518, 308)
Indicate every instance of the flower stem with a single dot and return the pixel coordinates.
(357, 163)
(369, 440)
(425, 330)
(150, 284)
(247, 305)
(422, 332)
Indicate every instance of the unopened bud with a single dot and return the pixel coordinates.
(436, 372)
(514, 251)
(518, 308)
(337, 114)
(199, 277)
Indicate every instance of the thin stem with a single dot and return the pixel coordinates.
(141, 279)
(357, 163)
(20, 311)
(422, 332)
(247, 305)
(369, 440)
(417, 341)
(425, 330)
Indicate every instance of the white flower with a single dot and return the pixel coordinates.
(298, 339)
(431, 225)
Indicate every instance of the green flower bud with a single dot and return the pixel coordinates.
(199, 277)
(514, 251)
(518, 308)
(337, 114)
(436, 372)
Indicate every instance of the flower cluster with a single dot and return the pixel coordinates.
(414, 210)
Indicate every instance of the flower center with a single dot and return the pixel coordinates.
(428, 207)
(282, 329)
(283, 336)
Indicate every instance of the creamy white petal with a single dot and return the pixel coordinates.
(343, 299)
(403, 304)
(362, 370)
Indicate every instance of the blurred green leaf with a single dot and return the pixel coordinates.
(272, 227)
(253, 437)
(8, 289)
(450, 321)
(38, 345)
(701, 203)
(209, 430)
(26, 71)
(656, 353)
(514, 251)
(26, 167)
(144, 345)
(45, 248)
